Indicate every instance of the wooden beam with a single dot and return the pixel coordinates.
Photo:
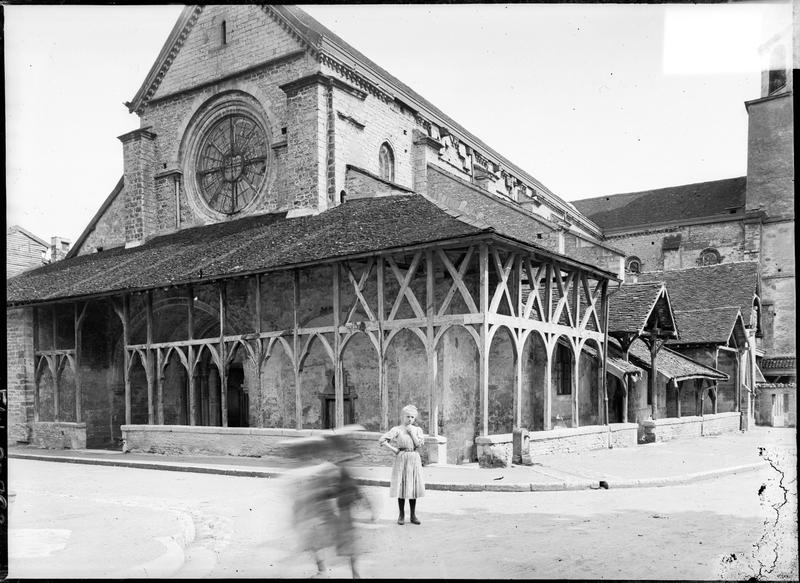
(190, 373)
(430, 351)
(223, 372)
(548, 382)
(381, 314)
(337, 344)
(485, 341)
(78, 320)
(126, 355)
(298, 399)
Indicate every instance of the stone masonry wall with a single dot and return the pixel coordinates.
(19, 368)
(253, 442)
(109, 231)
(59, 435)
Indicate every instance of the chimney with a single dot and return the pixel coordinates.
(58, 248)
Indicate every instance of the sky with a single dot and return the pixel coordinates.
(590, 99)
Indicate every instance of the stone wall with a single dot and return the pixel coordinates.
(569, 440)
(59, 435)
(20, 374)
(256, 442)
(766, 393)
(692, 426)
(715, 424)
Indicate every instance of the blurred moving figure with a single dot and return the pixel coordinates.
(325, 495)
(314, 487)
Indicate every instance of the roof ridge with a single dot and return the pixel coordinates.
(653, 190)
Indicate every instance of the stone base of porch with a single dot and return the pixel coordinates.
(257, 442)
(691, 426)
(497, 450)
(58, 435)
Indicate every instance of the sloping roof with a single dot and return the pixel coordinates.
(672, 365)
(28, 234)
(246, 245)
(711, 286)
(618, 366)
(633, 306)
(710, 325)
(674, 203)
(256, 244)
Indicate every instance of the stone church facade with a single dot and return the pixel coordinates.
(300, 241)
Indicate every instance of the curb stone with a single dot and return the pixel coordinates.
(554, 486)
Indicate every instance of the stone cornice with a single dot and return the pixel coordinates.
(137, 134)
(747, 104)
(669, 226)
(321, 79)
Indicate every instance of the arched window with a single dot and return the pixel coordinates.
(386, 162)
(709, 257)
(777, 70)
(563, 370)
(633, 265)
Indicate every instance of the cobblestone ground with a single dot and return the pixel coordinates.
(735, 527)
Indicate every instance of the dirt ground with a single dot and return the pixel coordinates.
(734, 527)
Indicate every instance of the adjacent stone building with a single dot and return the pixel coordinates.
(669, 233)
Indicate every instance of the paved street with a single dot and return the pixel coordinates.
(91, 521)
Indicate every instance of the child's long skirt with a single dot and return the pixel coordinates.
(407, 479)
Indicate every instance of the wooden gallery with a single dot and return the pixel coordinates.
(300, 241)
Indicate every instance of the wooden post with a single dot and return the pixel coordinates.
(651, 384)
(56, 391)
(260, 360)
(298, 398)
(520, 310)
(430, 349)
(548, 381)
(625, 380)
(604, 370)
(78, 320)
(160, 385)
(191, 371)
(126, 356)
(223, 357)
(677, 396)
(337, 361)
(576, 370)
(484, 353)
(382, 383)
(149, 352)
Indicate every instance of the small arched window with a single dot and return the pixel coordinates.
(562, 370)
(777, 70)
(709, 257)
(386, 162)
(633, 265)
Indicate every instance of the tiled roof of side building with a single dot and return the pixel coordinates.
(630, 306)
(706, 326)
(673, 365)
(711, 286)
(674, 203)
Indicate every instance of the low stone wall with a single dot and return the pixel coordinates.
(58, 435)
(715, 424)
(498, 450)
(669, 428)
(256, 442)
(693, 426)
